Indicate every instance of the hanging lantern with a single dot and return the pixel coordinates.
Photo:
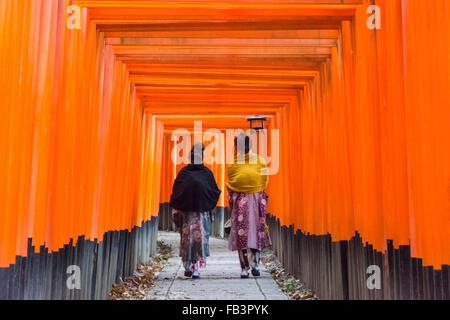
(257, 122)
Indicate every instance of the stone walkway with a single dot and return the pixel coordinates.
(220, 280)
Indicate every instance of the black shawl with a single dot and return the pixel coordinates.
(194, 190)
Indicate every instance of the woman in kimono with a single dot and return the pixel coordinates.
(195, 194)
(247, 180)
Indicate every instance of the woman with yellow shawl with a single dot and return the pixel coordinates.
(247, 180)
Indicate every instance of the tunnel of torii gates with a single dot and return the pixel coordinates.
(90, 99)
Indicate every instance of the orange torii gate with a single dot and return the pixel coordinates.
(92, 89)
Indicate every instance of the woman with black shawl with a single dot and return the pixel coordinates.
(195, 194)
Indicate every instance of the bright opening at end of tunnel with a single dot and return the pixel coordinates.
(302, 139)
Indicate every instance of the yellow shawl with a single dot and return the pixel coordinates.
(247, 177)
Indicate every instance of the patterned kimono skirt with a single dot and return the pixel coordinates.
(194, 245)
(248, 220)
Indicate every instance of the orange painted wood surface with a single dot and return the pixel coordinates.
(87, 115)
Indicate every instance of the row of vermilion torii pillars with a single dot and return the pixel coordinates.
(356, 163)
(363, 148)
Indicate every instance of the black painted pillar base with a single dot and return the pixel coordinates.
(339, 269)
(220, 215)
(43, 275)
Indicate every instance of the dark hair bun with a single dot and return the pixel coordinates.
(243, 143)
